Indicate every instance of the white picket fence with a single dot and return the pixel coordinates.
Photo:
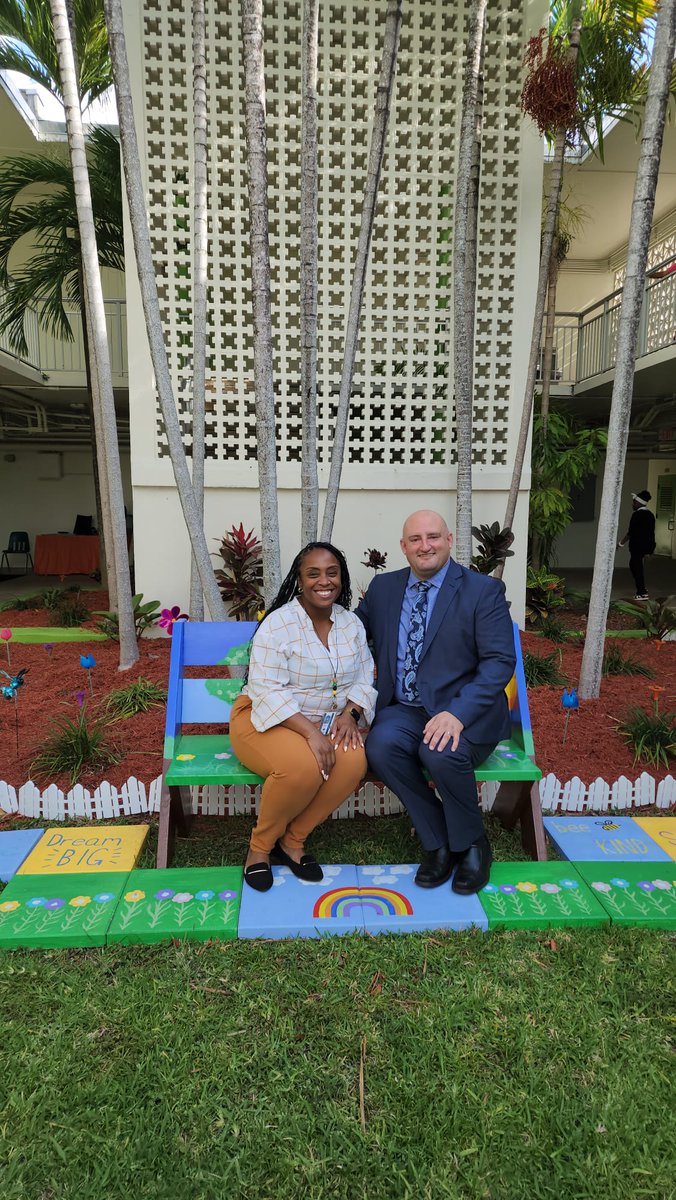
(373, 800)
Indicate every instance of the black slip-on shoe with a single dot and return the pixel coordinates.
(259, 877)
(308, 868)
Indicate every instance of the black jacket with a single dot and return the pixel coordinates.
(642, 532)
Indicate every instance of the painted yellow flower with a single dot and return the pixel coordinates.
(260, 614)
(526, 887)
(184, 757)
(9, 906)
(135, 895)
(80, 901)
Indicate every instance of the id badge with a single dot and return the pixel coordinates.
(327, 722)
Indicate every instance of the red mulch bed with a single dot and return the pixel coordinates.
(592, 749)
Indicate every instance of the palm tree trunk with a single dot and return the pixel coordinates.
(550, 225)
(627, 335)
(308, 274)
(99, 464)
(257, 161)
(200, 252)
(548, 349)
(388, 66)
(99, 337)
(464, 280)
(151, 308)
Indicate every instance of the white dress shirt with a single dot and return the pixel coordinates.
(291, 671)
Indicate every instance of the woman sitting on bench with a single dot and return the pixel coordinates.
(297, 719)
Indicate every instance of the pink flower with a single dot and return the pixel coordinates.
(169, 617)
(5, 634)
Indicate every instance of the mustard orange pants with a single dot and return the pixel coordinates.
(294, 798)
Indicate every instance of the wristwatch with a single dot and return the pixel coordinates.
(355, 713)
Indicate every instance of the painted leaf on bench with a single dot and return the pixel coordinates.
(225, 689)
(237, 656)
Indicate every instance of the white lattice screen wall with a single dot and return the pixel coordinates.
(401, 411)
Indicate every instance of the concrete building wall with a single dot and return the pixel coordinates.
(401, 452)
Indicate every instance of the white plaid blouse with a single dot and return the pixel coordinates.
(291, 671)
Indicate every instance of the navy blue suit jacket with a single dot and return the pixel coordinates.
(468, 654)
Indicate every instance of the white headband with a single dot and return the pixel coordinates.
(638, 499)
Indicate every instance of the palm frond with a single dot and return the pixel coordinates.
(27, 38)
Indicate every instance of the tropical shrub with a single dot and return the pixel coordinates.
(657, 617)
(74, 745)
(240, 579)
(493, 546)
(139, 697)
(145, 615)
(544, 594)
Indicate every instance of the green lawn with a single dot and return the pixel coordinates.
(495, 1065)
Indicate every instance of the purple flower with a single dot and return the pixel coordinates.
(164, 894)
(169, 617)
(226, 895)
(54, 904)
(48, 647)
(508, 888)
(80, 697)
(646, 886)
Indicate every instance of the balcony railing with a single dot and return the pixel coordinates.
(52, 355)
(585, 343)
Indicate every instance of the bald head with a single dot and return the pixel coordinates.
(426, 542)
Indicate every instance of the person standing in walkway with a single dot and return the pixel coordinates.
(444, 650)
(641, 538)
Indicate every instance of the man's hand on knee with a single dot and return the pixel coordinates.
(442, 729)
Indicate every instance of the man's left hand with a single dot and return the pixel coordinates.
(442, 729)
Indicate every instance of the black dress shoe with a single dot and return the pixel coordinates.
(437, 867)
(474, 868)
(308, 868)
(259, 877)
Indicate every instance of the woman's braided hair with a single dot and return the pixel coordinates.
(289, 587)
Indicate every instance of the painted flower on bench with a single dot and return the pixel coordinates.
(184, 757)
(169, 617)
(225, 754)
(134, 896)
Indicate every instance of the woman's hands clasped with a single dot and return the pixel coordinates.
(346, 732)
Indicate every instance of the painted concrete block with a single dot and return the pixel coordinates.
(15, 846)
(537, 895)
(192, 903)
(59, 910)
(634, 893)
(79, 850)
(603, 839)
(293, 908)
(662, 830)
(392, 903)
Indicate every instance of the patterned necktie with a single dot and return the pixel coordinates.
(414, 643)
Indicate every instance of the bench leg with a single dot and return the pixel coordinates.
(175, 818)
(521, 802)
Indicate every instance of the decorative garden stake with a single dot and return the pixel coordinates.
(569, 701)
(80, 697)
(9, 692)
(6, 635)
(169, 617)
(88, 662)
(48, 647)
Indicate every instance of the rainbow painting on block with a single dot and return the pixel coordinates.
(381, 901)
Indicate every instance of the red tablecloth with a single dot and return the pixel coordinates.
(65, 554)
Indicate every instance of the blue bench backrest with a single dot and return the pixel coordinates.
(208, 701)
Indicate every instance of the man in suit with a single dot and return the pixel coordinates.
(444, 651)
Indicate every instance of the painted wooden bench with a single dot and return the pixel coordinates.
(197, 759)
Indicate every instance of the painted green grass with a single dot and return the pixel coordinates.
(495, 1065)
(36, 634)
